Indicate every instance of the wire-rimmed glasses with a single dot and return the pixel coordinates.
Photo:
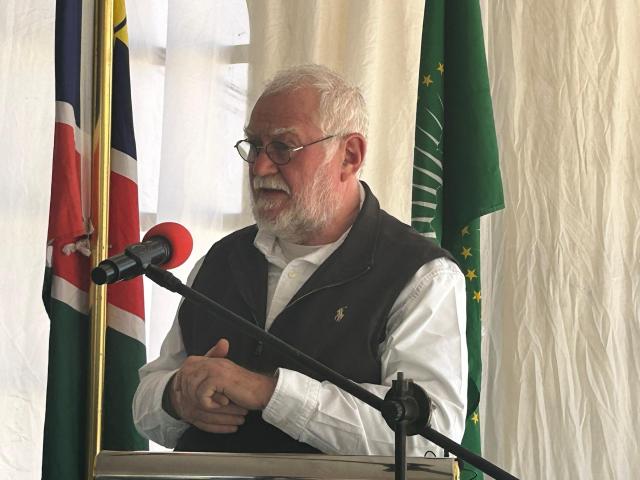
(278, 152)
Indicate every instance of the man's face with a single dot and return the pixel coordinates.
(299, 198)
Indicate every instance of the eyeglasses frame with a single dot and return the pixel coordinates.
(290, 150)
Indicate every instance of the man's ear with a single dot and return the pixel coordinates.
(355, 149)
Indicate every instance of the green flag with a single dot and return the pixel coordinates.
(456, 176)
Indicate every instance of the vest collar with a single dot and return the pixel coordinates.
(250, 274)
(356, 254)
(352, 259)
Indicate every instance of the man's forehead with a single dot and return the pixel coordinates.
(293, 111)
(271, 132)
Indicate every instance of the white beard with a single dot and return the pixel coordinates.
(308, 212)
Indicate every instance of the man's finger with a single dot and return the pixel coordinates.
(219, 350)
(177, 381)
(218, 418)
(192, 382)
(176, 401)
(213, 401)
(212, 428)
(232, 409)
(220, 399)
(207, 395)
(204, 395)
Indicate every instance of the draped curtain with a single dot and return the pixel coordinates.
(560, 264)
(27, 115)
(561, 274)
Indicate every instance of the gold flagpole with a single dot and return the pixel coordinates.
(103, 66)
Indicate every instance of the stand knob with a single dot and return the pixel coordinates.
(406, 401)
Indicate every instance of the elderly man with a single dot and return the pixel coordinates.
(324, 269)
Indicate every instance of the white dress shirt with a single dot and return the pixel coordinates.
(425, 340)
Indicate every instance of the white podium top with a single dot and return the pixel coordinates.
(168, 466)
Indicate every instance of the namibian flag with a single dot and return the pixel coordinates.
(66, 285)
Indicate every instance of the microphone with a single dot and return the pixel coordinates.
(166, 245)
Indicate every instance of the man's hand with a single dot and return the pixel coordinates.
(214, 394)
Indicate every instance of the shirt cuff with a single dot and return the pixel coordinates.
(153, 421)
(294, 400)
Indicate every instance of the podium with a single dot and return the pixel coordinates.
(239, 466)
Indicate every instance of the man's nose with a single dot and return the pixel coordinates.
(263, 166)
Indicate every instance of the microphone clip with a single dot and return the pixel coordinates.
(133, 261)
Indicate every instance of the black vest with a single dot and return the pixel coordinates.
(338, 316)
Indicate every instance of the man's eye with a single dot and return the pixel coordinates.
(279, 146)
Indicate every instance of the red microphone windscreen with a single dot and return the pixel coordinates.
(178, 237)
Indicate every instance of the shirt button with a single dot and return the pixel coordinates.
(292, 274)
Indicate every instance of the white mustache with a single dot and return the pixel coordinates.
(272, 182)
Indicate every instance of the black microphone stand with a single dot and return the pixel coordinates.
(406, 408)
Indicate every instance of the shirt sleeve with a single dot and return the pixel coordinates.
(149, 418)
(426, 339)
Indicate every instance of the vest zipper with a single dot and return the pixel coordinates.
(259, 345)
(253, 317)
(331, 285)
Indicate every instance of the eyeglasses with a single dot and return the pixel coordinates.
(278, 152)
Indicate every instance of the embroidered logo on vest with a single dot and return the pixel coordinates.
(340, 314)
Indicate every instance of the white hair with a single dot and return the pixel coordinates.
(342, 108)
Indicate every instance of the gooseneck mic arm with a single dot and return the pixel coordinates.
(406, 408)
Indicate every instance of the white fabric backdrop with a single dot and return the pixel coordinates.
(27, 110)
(563, 318)
(561, 270)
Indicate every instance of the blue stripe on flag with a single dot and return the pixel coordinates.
(67, 51)
(122, 136)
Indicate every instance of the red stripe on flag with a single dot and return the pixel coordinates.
(65, 210)
(74, 268)
(128, 296)
(124, 229)
(124, 219)
(66, 225)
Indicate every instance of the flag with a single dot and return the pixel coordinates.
(66, 284)
(456, 175)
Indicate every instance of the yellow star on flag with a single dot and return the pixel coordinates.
(471, 274)
(426, 79)
(475, 418)
(476, 296)
(465, 231)
(466, 252)
(440, 68)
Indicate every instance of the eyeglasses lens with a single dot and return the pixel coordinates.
(247, 151)
(278, 152)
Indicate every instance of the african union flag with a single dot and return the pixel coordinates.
(456, 175)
